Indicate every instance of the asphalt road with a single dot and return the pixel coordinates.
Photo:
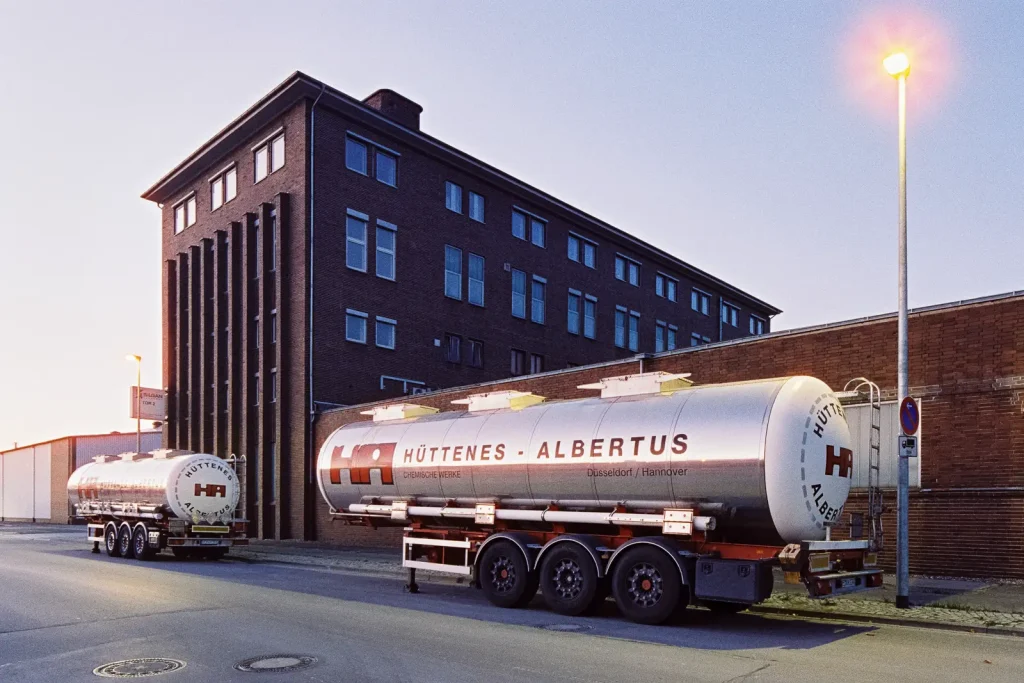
(64, 612)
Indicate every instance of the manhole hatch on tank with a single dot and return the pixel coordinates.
(140, 667)
(275, 663)
(569, 628)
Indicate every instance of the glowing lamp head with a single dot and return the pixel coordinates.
(897, 64)
(132, 358)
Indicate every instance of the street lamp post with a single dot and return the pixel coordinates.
(898, 66)
(138, 400)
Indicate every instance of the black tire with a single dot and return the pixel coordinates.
(110, 541)
(183, 553)
(505, 576)
(646, 585)
(140, 544)
(720, 607)
(124, 541)
(568, 579)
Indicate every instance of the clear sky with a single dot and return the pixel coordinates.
(755, 140)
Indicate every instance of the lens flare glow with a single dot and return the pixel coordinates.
(921, 39)
(897, 64)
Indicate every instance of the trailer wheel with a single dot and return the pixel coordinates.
(569, 579)
(647, 585)
(140, 543)
(110, 541)
(124, 541)
(505, 576)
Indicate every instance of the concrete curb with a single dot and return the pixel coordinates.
(431, 577)
(889, 621)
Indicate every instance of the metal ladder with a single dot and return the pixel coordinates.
(856, 388)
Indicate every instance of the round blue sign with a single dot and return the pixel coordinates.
(910, 417)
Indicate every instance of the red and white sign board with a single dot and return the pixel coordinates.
(153, 404)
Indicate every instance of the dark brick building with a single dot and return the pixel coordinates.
(322, 251)
(966, 370)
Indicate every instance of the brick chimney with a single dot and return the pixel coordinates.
(396, 107)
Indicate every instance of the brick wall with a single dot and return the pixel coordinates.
(966, 365)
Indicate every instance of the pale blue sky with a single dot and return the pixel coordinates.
(735, 135)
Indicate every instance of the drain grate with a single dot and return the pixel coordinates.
(569, 628)
(276, 663)
(140, 667)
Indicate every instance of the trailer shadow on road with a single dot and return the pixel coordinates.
(695, 628)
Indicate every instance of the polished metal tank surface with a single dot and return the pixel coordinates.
(192, 486)
(770, 459)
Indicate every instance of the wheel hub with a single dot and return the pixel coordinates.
(568, 579)
(645, 585)
(503, 575)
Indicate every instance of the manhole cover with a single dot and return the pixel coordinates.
(567, 627)
(275, 663)
(139, 668)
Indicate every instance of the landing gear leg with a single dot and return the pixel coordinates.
(96, 547)
(412, 586)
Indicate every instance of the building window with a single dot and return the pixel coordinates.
(256, 388)
(700, 301)
(620, 327)
(698, 339)
(273, 385)
(355, 240)
(582, 251)
(185, 214)
(223, 188)
(268, 157)
(355, 326)
(476, 280)
(673, 331)
(273, 239)
(756, 325)
(575, 298)
(355, 156)
(452, 196)
(387, 168)
(518, 293)
(452, 272)
(273, 326)
(536, 363)
(453, 348)
(590, 317)
(386, 238)
(660, 332)
(256, 332)
(634, 331)
(537, 299)
(476, 353)
(627, 270)
(518, 363)
(537, 230)
(518, 224)
(665, 286)
(476, 207)
(385, 333)
(729, 314)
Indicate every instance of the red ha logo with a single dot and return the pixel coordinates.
(363, 458)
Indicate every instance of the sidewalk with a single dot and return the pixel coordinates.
(976, 605)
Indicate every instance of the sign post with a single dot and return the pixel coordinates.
(910, 421)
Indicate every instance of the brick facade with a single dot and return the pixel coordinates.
(967, 368)
(237, 285)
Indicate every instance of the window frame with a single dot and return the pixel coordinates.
(668, 284)
(531, 220)
(448, 346)
(590, 301)
(457, 274)
(660, 336)
(583, 243)
(359, 216)
(629, 266)
(522, 294)
(351, 314)
(366, 155)
(475, 345)
(379, 152)
(574, 296)
(536, 363)
(634, 332)
(483, 207)
(542, 282)
(621, 327)
(726, 307)
(266, 147)
(183, 205)
(762, 323)
(470, 280)
(452, 192)
(381, 320)
(378, 249)
(520, 355)
(372, 150)
(702, 300)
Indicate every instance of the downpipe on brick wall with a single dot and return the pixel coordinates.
(309, 340)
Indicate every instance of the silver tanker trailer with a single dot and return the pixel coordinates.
(661, 492)
(137, 504)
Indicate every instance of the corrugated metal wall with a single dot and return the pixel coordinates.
(859, 419)
(25, 483)
(87, 447)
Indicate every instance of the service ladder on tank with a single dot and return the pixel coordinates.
(855, 388)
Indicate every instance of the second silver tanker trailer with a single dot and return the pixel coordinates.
(137, 504)
(660, 492)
